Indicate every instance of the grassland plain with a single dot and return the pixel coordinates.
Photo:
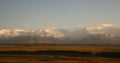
(11, 58)
(85, 48)
(53, 59)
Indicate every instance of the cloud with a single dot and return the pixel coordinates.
(101, 32)
(5, 32)
(51, 32)
(11, 33)
(100, 29)
(106, 25)
(18, 32)
(57, 33)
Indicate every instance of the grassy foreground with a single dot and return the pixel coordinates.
(59, 54)
(85, 48)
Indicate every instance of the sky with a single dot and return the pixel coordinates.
(36, 14)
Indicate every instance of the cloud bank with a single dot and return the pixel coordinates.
(99, 34)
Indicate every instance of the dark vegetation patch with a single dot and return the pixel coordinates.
(108, 54)
(64, 53)
(12, 62)
(49, 52)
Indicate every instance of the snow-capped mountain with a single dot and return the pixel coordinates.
(100, 34)
(50, 32)
(12, 33)
(103, 29)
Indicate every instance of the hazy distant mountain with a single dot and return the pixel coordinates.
(100, 34)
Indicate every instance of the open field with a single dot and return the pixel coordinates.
(59, 54)
(85, 48)
(53, 59)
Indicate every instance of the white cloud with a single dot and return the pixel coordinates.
(17, 32)
(99, 27)
(5, 32)
(12, 33)
(57, 33)
(53, 32)
(103, 29)
(108, 30)
(106, 25)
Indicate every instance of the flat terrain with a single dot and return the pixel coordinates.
(54, 59)
(58, 54)
(85, 48)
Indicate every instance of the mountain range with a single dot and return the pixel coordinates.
(103, 34)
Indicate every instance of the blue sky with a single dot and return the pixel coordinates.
(36, 14)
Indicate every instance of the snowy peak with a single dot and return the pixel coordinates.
(50, 32)
(99, 27)
(103, 29)
(100, 34)
(12, 33)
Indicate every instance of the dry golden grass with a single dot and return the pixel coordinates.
(54, 59)
(81, 48)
